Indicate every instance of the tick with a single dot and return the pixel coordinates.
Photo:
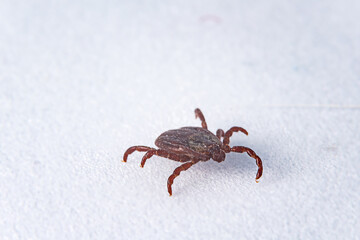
(191, 145)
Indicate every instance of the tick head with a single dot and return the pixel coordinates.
(217, 153)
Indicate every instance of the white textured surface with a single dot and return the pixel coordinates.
(80, 81)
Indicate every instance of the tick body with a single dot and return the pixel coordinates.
(191, 145)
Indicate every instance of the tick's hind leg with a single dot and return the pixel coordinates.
(229, 133)
(252, 154)
(198, 114)
(176, 173)
(133, 149)
(165, 154)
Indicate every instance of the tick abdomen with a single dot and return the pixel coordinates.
(191, 141)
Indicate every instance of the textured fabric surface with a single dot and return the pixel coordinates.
(81, 81)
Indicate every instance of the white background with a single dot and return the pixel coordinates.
(81, 81)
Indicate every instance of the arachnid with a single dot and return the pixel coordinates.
(192, 145)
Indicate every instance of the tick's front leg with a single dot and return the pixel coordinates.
(220, 133)
(252, 154)
(229, 133)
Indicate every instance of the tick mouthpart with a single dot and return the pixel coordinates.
(257, 180)
(123, 160)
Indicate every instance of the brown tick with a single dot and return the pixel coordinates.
(192, 145)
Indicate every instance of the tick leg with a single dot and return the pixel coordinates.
(220, 133)
(252, 154)
(176, 173)
(229, 133)
(198, 114)
(133, 149)
(165, 154)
